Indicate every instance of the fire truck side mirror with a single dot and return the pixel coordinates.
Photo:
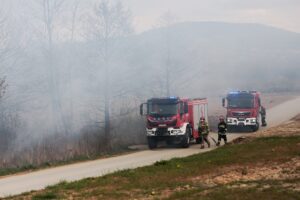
(223, 102)
(143, 109)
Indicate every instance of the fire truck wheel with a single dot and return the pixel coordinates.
(152, 143)
(186, 139)
(256, 127)
(169, 142)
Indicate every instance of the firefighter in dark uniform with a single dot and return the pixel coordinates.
(263, 116)
(203, 132)
(222, 129)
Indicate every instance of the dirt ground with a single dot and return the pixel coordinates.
(289, 128)
(278, 171)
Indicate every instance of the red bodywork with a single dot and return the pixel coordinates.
(189, 112)
(202, 113)
(244, 109)
(254, 111)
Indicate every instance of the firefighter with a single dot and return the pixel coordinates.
(263, 116)
(203, 132)
(222, 129)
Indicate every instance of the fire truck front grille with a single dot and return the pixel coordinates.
(241, 114)
(162, 131)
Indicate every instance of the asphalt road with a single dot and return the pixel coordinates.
(16, 184)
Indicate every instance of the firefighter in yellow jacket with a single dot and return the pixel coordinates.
(203, 131)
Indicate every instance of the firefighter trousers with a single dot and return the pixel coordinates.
(222, 136)
(205, 139)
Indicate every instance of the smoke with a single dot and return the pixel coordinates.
(56, 72)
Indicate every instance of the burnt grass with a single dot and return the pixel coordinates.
(77, 159)
(173, 179)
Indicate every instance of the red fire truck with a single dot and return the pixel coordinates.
(243, 109)
(173, 119)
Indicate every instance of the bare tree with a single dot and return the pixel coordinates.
(3, 86)
(74, 15)
(51, 8)
(5, 117)
(72, 54)
(3, 39)
(3, 52)
(166, 20)
(50, 12)
(110, 22)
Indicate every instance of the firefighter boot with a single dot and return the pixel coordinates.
(218, 144)
(264, 123)
(208, 143)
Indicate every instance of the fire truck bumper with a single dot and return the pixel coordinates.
(231, 121)
(165, 132)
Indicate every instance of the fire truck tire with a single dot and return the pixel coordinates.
(186, 138)
(169, 142)
(256, 127)
(152, 143)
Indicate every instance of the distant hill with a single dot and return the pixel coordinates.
(210, 57)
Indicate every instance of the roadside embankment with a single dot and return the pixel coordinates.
(265, 165)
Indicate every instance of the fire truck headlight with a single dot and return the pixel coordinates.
(253, 120)
(229, 120)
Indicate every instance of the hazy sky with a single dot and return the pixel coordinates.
(279, 13)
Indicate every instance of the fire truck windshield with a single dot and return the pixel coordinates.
(240, 101)
(157, 109)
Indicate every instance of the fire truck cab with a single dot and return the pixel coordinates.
(173, 119)
(243, 109)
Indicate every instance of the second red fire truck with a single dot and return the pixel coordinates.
(243, 110)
